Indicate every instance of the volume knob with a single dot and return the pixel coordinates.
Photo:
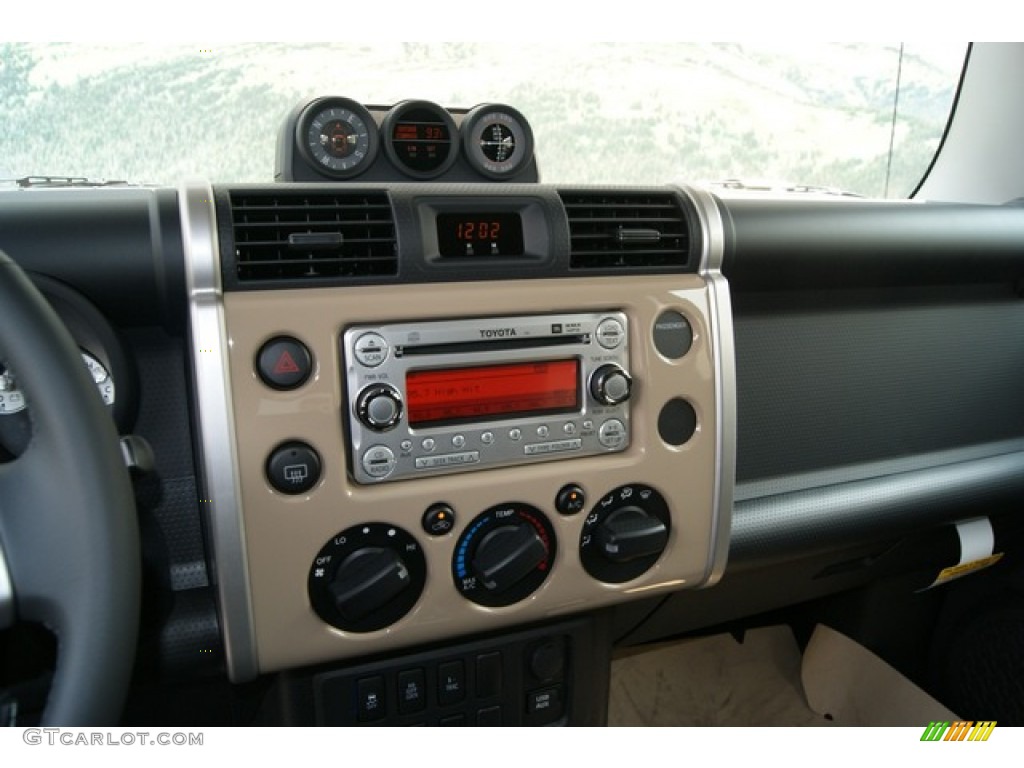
(379, 407)
(610, 385)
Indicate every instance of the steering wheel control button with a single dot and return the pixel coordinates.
(438, 520)
(673, 335)
(612, 434)
(570, 500)
(504, 555)
(371, 349)
(367, 577)
(625, 534)
(677, 422)
(293, 468)
(379, 461)
(610, 333)
(284, 363)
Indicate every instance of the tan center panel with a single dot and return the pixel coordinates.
(284, 533)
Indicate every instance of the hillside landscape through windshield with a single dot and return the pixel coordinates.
(865, 118)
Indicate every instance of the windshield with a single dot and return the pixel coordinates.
(865, 118)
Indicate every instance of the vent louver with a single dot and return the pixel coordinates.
(287, 235)
(623, 230)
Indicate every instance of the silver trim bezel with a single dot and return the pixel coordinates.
(7, 612)
(216, 429)
(724, 357)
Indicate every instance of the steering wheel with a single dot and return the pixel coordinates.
(69, 538)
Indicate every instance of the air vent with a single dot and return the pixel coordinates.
(627, 230)
(287, 235)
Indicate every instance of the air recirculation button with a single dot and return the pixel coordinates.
(625, 534)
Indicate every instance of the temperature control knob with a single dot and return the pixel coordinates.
(379, 407)
(504, 554)
(610, 385)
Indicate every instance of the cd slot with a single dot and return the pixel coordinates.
(491, 345)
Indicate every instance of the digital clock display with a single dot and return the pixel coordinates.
(482, 392)
(461, 235)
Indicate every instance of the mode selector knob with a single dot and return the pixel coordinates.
(610, 384)
(379, 407)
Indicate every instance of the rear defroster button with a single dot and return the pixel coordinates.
(293, 468)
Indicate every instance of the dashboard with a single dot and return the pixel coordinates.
(407, 408)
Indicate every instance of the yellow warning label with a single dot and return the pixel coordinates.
(956, 571)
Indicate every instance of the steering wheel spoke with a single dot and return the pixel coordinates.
(67, 516)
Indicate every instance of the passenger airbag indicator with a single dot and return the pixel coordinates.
(493, 391)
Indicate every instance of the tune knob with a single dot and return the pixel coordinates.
(379, 407)
(610, 384)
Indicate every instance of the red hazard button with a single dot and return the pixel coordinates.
(284, 363)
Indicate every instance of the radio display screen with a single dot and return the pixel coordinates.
(487, 392)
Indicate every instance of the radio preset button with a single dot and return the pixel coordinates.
(379, 461)
(610, 333)
(612, 434)
(515, 434)
(569, 428)
(487, 438)
(371, 349)
(542, 430)
(407, 445)
(428, 444)
(459, 441)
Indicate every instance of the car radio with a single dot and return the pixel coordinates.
(433, 398)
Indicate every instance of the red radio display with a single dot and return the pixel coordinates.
(491, 391)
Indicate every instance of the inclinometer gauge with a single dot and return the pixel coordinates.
(497, 140)
(337, 136)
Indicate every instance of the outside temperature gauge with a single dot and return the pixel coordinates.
(497, 140)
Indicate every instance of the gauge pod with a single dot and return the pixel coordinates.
(337, 136)
(420, 139)
(497, 140)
